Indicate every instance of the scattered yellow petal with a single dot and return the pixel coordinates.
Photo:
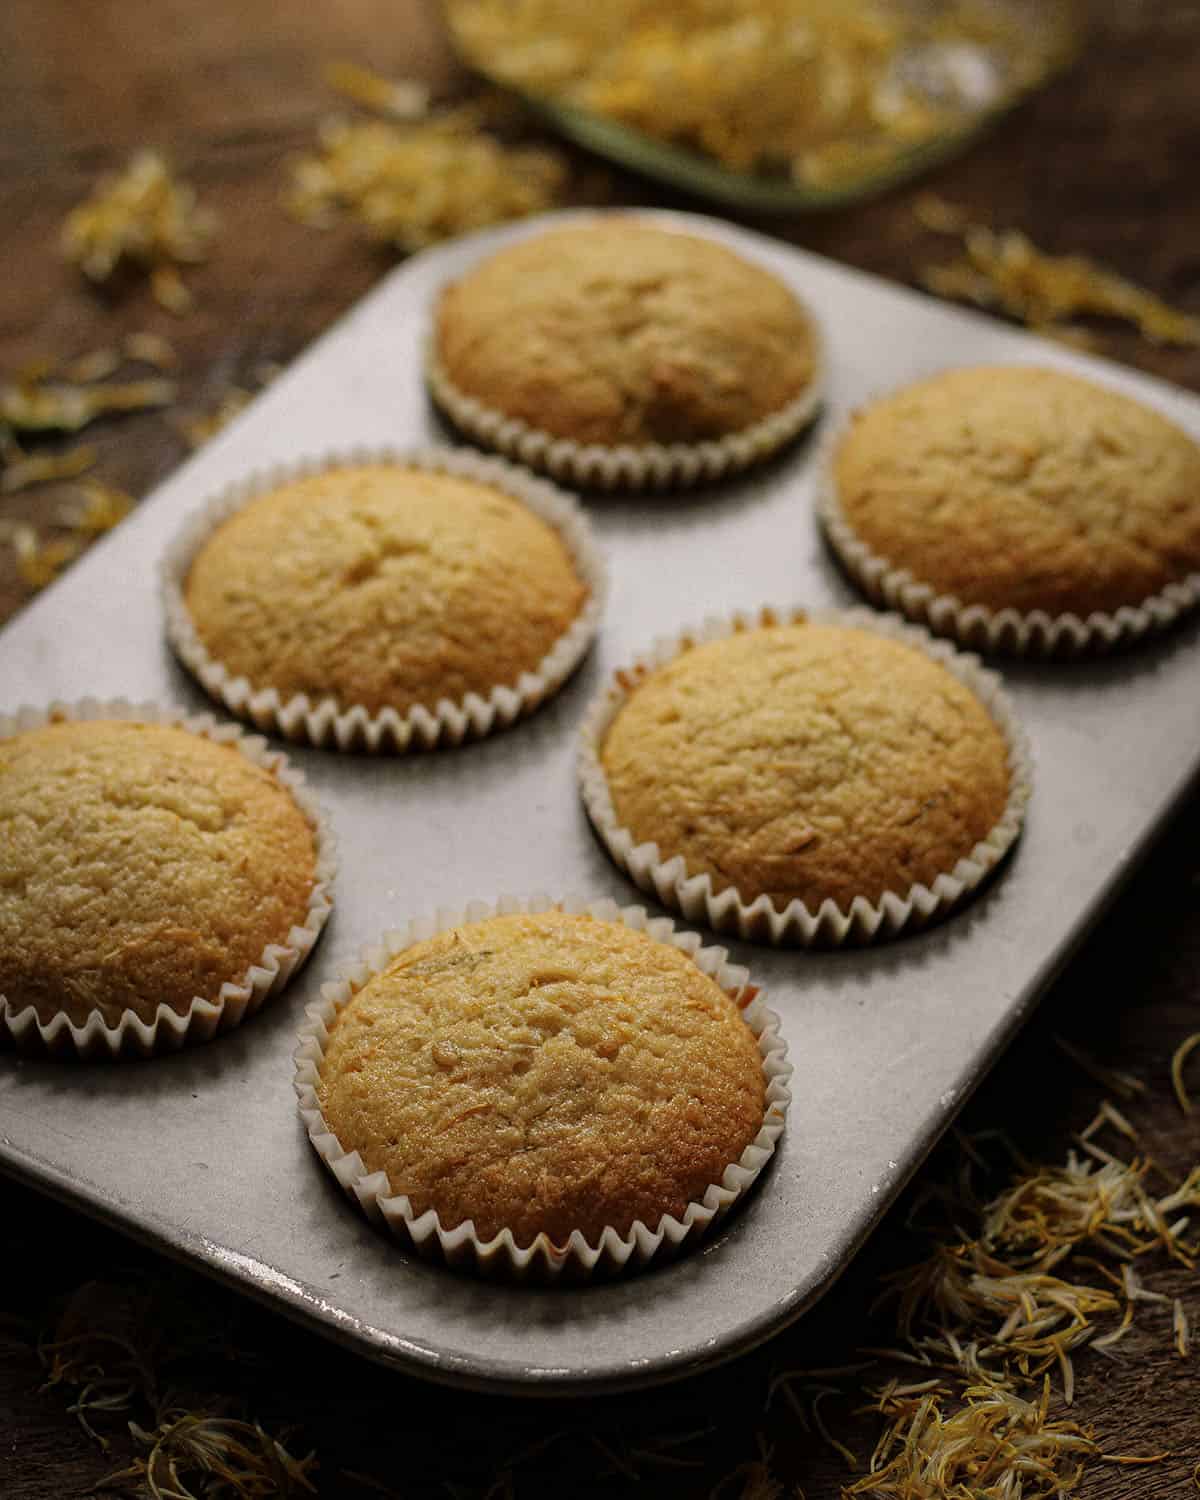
(143, 216)
(66, 408)
(212, 1452)
(995, 1437)
(1124, 1085)
(1181, 1055)
(958, 282)
(41, 468)
(151, 349)
(1134, 1290)
(847, 1457)
(938, 216)
(104, 506)
(402, 99)
(1007, 273)
(1107, 1340)
(98, 365)
(413, 185)
(40, 563)
(198, 429)
(170, 291)
(1109, 1114)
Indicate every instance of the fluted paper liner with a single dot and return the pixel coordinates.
(459, 1245)
(666, 877)
(1007, 632)
(132, 1036)
(332, 724)
(628, 466)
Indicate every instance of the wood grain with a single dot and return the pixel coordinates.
(1103, 162)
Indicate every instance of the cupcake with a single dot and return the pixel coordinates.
(805, 779)
(385, 601)
(545, 1086)
(1018, 508)
(615, 353)
(156, 884)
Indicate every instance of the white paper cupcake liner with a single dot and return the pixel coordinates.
(332, 724)
(132, 1036)
(627, 466)
(1008, 632)
(542, 1259)
(760, 920)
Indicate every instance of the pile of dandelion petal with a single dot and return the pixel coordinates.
(419, 176)
(50, 398)
(1007, 273)
(56, 398)
(98, 507)
(987, 1320)
(114, 1348)
(145, 217)
(815, 90)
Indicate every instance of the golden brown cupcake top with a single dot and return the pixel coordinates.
(544, 1074)
(140, 864)
(1024, 488)
(807, 762)
(615, 331)
(383, 585)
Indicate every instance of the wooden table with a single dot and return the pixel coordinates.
(1106, 161)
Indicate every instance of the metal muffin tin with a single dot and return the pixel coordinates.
(203, 1155)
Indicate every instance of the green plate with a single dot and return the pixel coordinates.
(761, 192)
(750, 191)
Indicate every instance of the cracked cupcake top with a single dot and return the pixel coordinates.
(544, 1073)
(808, 762)
(615, 331)
(1026, 488)
(385, 586)
(140, 864)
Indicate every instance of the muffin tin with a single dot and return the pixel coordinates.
(203, 1154)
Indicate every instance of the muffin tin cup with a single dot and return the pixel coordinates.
(627, 466)
(1000, 632)
(543, 1260)
(132, 1036)
(331, 724)
(865, 921)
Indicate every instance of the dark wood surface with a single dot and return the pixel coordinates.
(1106, 161)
